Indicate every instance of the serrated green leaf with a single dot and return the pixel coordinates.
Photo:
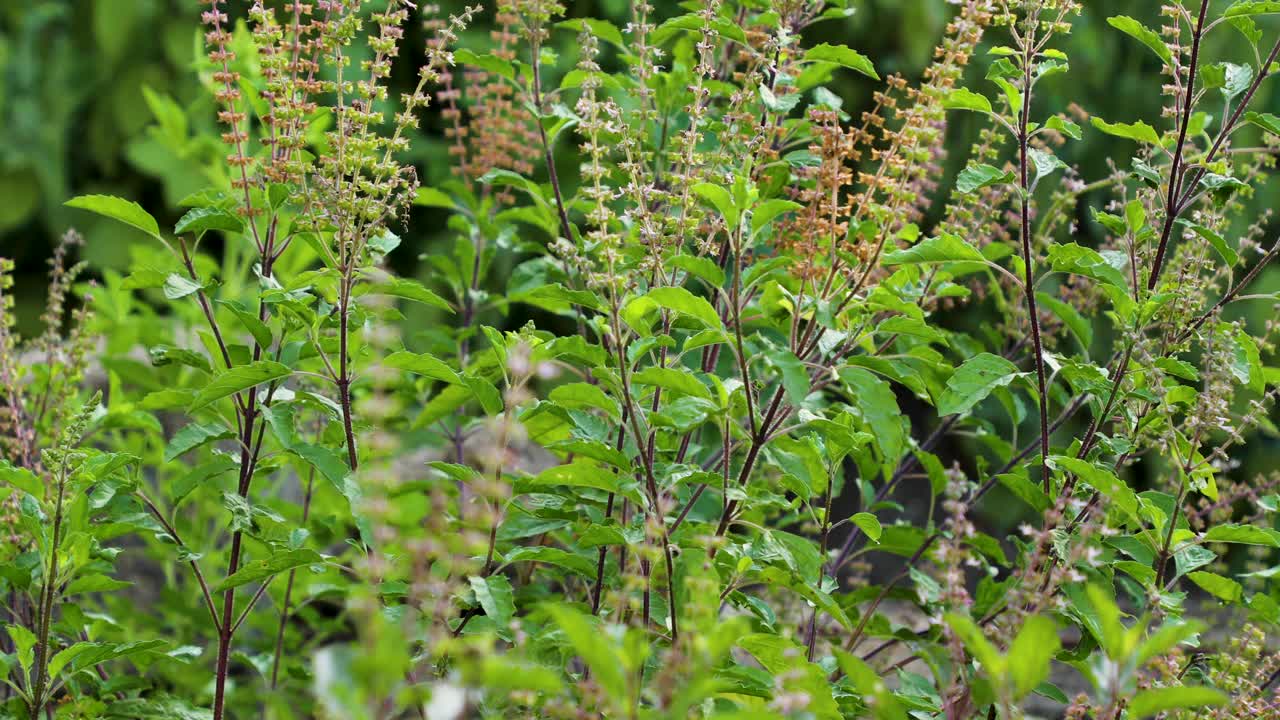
(843, 56)
(1072, 258)
(177, 286)
(1148, 703)
(940, 249)
(962, 99)
(1029, 655)
(979, 175)
(1252, 7)
(203, 219)
(238, 379)
(407, 289)
(678, 381)
(721, 199)
(269, 567)
(1223, 588)
(1241, 535)
(424, 364)
(767, 211)
(1139, 131)
(973, 381)
(495, 596)
(1143, 34)
(119, 209)
(869, 524)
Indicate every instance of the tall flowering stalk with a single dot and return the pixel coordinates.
(771, 368)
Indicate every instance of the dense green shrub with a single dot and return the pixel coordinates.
(735, 463)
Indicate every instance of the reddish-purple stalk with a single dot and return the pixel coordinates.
(286, 606)
(344, 367)
(48, 591)
(250, 449)
(1175, 205)
(1028, 261)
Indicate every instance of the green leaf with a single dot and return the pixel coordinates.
(331, 465)
(1030, 653)
(799, 554)
(783, 104)
(21, 478)
(495, 596)
(1241, 535)
(579, 473)
(162, 707)
(722, 200)
(870, 685)
(1223, 588)
(258, 329)
(193, 436)
(485, 393)
(767, 211)
(1231, 78)
(1070, 316)
(407, 289)
(602, 29)
(24, 642)
(869, 524)
(1252, 7)
(973, 381)
(962, 99)
(1153, 702)
(1139, 131)
(269, 567)
(703, 268)
(1116, 491)
(488, 63)
(424, 364)
(608, 667)
(1143, 34)
(1045, 162)
(682, 302)
(237, 380)
(1027, 491)
(1248, 363)
(278, 194)
(1266, 121)
(694, 22)
(843, 56)
(95, 583)
(878, 407)
(1248, 28)
(795, 376)
(973, 639)
(580, 395)
(940, 249)
(99, 653)
(679, 381)
(1169, 635)
(203, 219)
(1216, 241)
(1072, 258)
(66, 655)
(553, 556)
(162, 355)
(431, 197)
(979, 175)
(119, 209)
(1064, 126)
(177, 286)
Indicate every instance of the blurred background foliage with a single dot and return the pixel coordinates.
(105, 96)
(108, 96)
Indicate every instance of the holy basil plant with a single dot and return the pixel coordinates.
(728, 396)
